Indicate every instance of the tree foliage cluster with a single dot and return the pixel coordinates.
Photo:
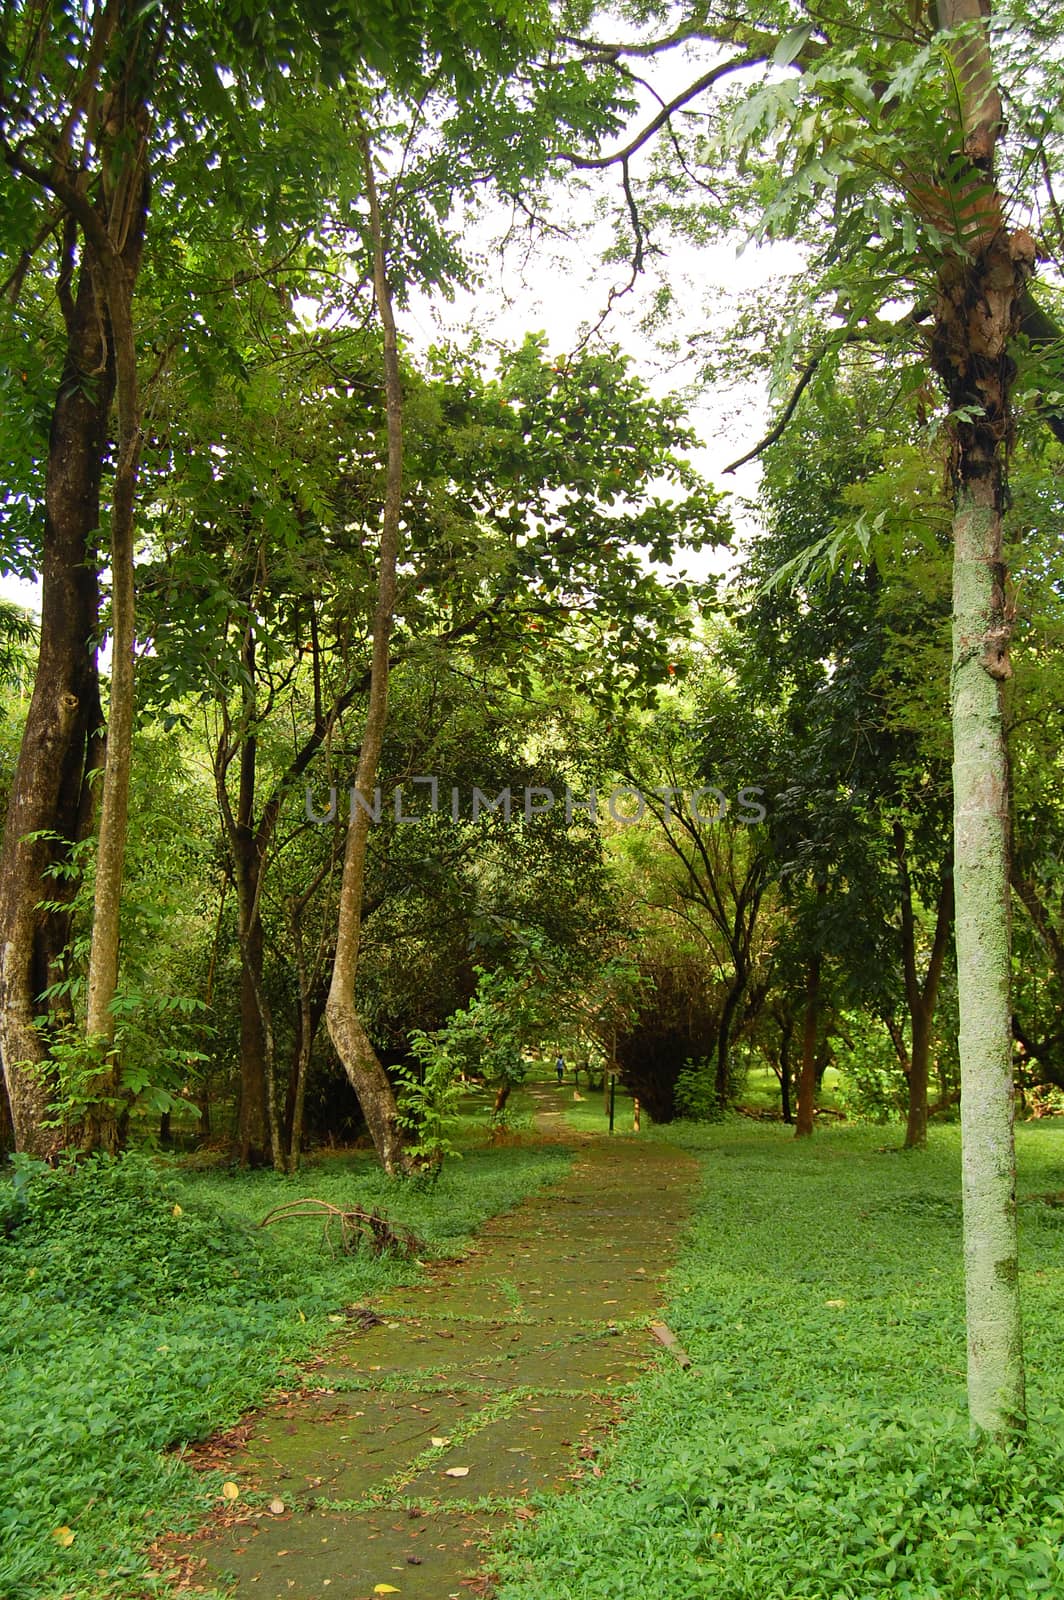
(328, 563)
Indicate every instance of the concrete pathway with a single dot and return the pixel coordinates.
(498, 1378)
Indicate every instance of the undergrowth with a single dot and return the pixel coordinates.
(141, 1307)
(818, 1449)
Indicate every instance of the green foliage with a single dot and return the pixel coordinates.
(427, 1099)
(142, 1307)
(695, 1093)
(871, 1083)
(818, 1447)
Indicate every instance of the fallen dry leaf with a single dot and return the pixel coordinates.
(64, 1536)
(438, 1443)
(230, 1490)
(456, 1472)
(277, 1505)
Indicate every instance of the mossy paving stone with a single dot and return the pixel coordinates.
(537, 1355)
(424, 1553)
(536, 1447)
(522, 1392)
(341, 1448)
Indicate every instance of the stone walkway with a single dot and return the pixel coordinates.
(496, 1379)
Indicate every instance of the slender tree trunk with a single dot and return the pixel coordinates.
(919, 1061)
(785, 1073)
(921, 999)
(311, 1012)
(724, 1032)
(120, 224)
(353, 1045)
(50, 793)
(977, 314)
(807, 1078)
(980, 779)
(101, 1122)
(313, 993)
(253, 1123)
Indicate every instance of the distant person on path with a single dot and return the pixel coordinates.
(559, 1067)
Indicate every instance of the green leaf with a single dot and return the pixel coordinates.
(791, 45)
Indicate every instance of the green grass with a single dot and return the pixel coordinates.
(819, 1450)
(127, 1328)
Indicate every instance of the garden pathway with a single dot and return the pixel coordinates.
(495, 1379)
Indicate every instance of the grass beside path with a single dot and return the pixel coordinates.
(140, 1308)
(818, 1450)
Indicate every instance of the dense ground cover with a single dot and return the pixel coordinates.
(141, 1307)
(818, 1450)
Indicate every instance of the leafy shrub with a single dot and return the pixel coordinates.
(871, 1083)
(695, 1093)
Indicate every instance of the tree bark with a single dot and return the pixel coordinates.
(313, 992)
(976, 317)
(101, 1119)
(785, 1071)
(921, 998)
(112, 224)
(724, 1032)
(353, 1045)
(807, 1077)
(50, 793)
(978, 305)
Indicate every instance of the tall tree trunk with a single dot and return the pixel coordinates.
(803, 1125)
(313, 992)
(980, 780)
(919, 1064)
(253, 1124)
(353, 1045)
(977, 313)
(921, 998)
(724, 1033)
(256, 1118)
(785, 1072)
(101, 1119)
(50, 800)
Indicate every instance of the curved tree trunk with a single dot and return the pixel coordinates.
(353, 1045)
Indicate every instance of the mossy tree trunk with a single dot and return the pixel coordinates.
(977, 314)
